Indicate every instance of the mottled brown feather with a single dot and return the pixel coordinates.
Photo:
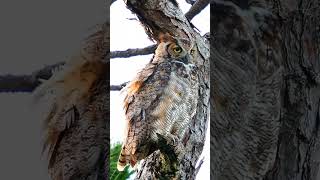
(156, 102)
(75, 127)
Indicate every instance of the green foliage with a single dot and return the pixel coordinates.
(114, 173)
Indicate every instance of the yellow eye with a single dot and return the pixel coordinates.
(177, 49)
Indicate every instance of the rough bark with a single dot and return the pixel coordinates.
(298, 145)
(161, 16)
(266, 90)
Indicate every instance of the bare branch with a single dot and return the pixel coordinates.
(46, 72)
(18, 83)
(26, 83)
(199, 166)
(190, 1)
(118, 87)
(133, 52)
(196, 8)
(115, 88)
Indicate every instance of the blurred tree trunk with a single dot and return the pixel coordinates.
(162, 16)
(265, 80)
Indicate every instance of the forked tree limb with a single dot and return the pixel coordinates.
(196, 8)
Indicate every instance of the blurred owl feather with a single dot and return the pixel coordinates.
(75, 136)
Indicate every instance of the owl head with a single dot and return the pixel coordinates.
(171, 48)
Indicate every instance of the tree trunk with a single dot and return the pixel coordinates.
(265, 80)
(161, 16)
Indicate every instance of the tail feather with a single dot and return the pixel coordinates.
(125, 158)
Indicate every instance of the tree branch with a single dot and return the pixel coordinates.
(118, 87)
(190, 1)
(18, 83)
(133, 52)
(26, 83)
(196, 8)
(199, 166)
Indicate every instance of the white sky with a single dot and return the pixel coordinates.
(126, 34)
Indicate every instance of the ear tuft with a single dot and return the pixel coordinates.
(165, 37)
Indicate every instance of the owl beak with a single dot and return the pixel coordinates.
(185, 59)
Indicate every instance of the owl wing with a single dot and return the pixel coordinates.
(70, 87)
(80, 148)
(58, 121)
(141, 98)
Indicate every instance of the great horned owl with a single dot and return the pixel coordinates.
(161, 100)
(77, 119)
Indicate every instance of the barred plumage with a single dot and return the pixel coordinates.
(162, 99)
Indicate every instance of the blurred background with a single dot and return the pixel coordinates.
(34, 34)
